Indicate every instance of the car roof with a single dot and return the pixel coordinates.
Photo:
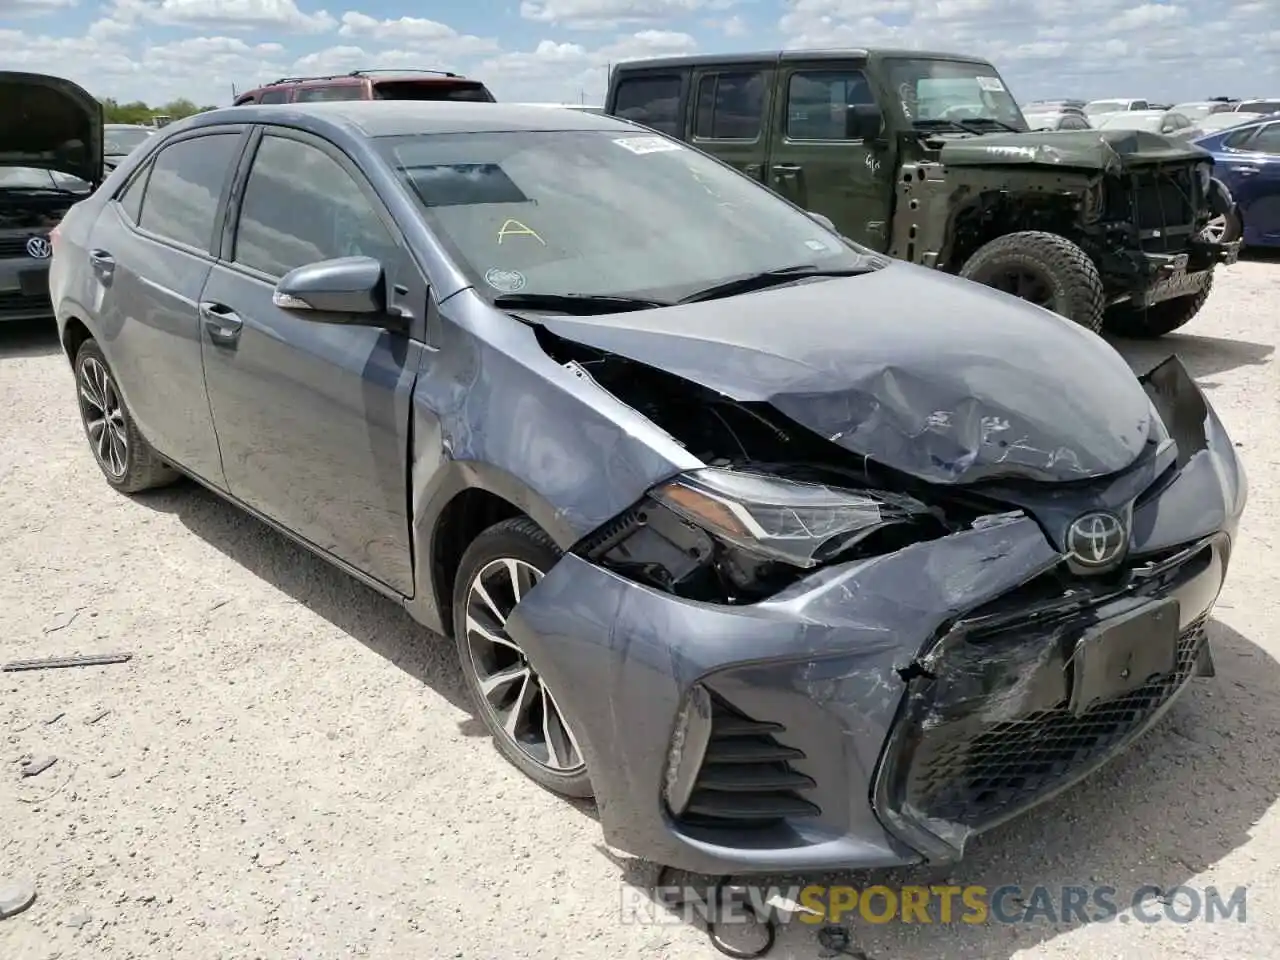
(391, 118)
(843, 53)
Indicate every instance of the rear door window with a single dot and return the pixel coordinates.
(186, 182)
(342, 91)
(730, 106)
(431, 90)
(300, 206)
(1267, 140)
(653, 101)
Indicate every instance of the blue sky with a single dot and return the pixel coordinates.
(559, 49)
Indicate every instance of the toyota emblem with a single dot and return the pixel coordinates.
(1096, 540)
(40, 248)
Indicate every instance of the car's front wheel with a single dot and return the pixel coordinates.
(528, 727)
(1045, 269)
(126, 459)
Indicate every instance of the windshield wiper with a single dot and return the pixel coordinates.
(770, 278)
(579, 304)
(999, 123)
(939, 124)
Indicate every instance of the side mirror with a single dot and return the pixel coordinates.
(353, 287)
(824, 220)
(863, 121)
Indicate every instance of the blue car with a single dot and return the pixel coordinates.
(1247, 160)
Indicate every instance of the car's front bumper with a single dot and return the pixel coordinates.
(857, 719)
(24, 289)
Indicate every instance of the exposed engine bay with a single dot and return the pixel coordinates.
(653, 544)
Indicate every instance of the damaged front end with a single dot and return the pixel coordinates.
(797, 658)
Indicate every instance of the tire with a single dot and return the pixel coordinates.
(128, 462)
(1155, 321)
(1043, 268)
(521, 543)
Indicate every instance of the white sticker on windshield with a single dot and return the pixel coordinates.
(643, 145)
(991, 84)
(508, 281)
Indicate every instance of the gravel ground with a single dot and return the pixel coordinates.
(287, 767)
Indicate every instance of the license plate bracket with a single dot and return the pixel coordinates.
(1122, 654)
(32, 283)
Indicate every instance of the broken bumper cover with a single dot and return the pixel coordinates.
(877, 713)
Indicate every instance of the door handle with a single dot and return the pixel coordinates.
(102, 262)
(221, 322)
(1246, 171)
(786, 169)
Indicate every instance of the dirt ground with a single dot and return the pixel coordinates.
(287, 767)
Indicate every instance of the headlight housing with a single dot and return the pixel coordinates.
(803, 524)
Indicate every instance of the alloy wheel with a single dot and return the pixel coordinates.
(103, 416)
(510, 689)
(1216, 229)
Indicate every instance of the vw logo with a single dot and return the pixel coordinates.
(1096, 540)
(40, 248)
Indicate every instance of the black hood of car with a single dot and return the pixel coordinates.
(940, 378)
(50, 123)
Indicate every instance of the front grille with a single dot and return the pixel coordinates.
(14, 246)
(1161, 203)
(977, 774)
(747, 777)
(23, 302)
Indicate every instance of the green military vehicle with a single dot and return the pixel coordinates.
(926, 157)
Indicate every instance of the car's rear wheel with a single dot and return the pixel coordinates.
(1042, 268)
(528, 727)
(1155, 321)
(126, 459)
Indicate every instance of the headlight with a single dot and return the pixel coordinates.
(803, 524)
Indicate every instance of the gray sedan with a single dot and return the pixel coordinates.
(793, 555)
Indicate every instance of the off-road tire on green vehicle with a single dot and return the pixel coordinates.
(129, 463)
(1045, 269)
(1155, 321)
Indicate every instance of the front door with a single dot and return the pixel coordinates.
(730, 110)
(1252, 174)
(313, 418)
(816, 165)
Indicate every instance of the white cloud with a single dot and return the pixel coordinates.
(428, 34)
(32, 8)
(233, 15)
(605, 14)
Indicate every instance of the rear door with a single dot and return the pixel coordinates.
(731, 106)
(815, 164)
(657, 98)
(150, 255)
(313, 418)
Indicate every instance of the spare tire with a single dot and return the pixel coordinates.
(1045, 269)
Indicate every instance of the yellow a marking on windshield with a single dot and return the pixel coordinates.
(514, 228)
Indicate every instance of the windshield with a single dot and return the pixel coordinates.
(121, 140)
(1195, 111)
(37, 178)
(1132, 121)
(952, 90)
(1105, 106)
(1264, 107)
(602, 213)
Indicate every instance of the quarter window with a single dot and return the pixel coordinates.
(274, 96)
(653, 101)
(130, 199)
(730, 106)
(186, 181)
(300, 206)
(818, 103)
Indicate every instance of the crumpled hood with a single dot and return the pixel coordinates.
(1078, 149)
(938, 377)
(50, 123)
